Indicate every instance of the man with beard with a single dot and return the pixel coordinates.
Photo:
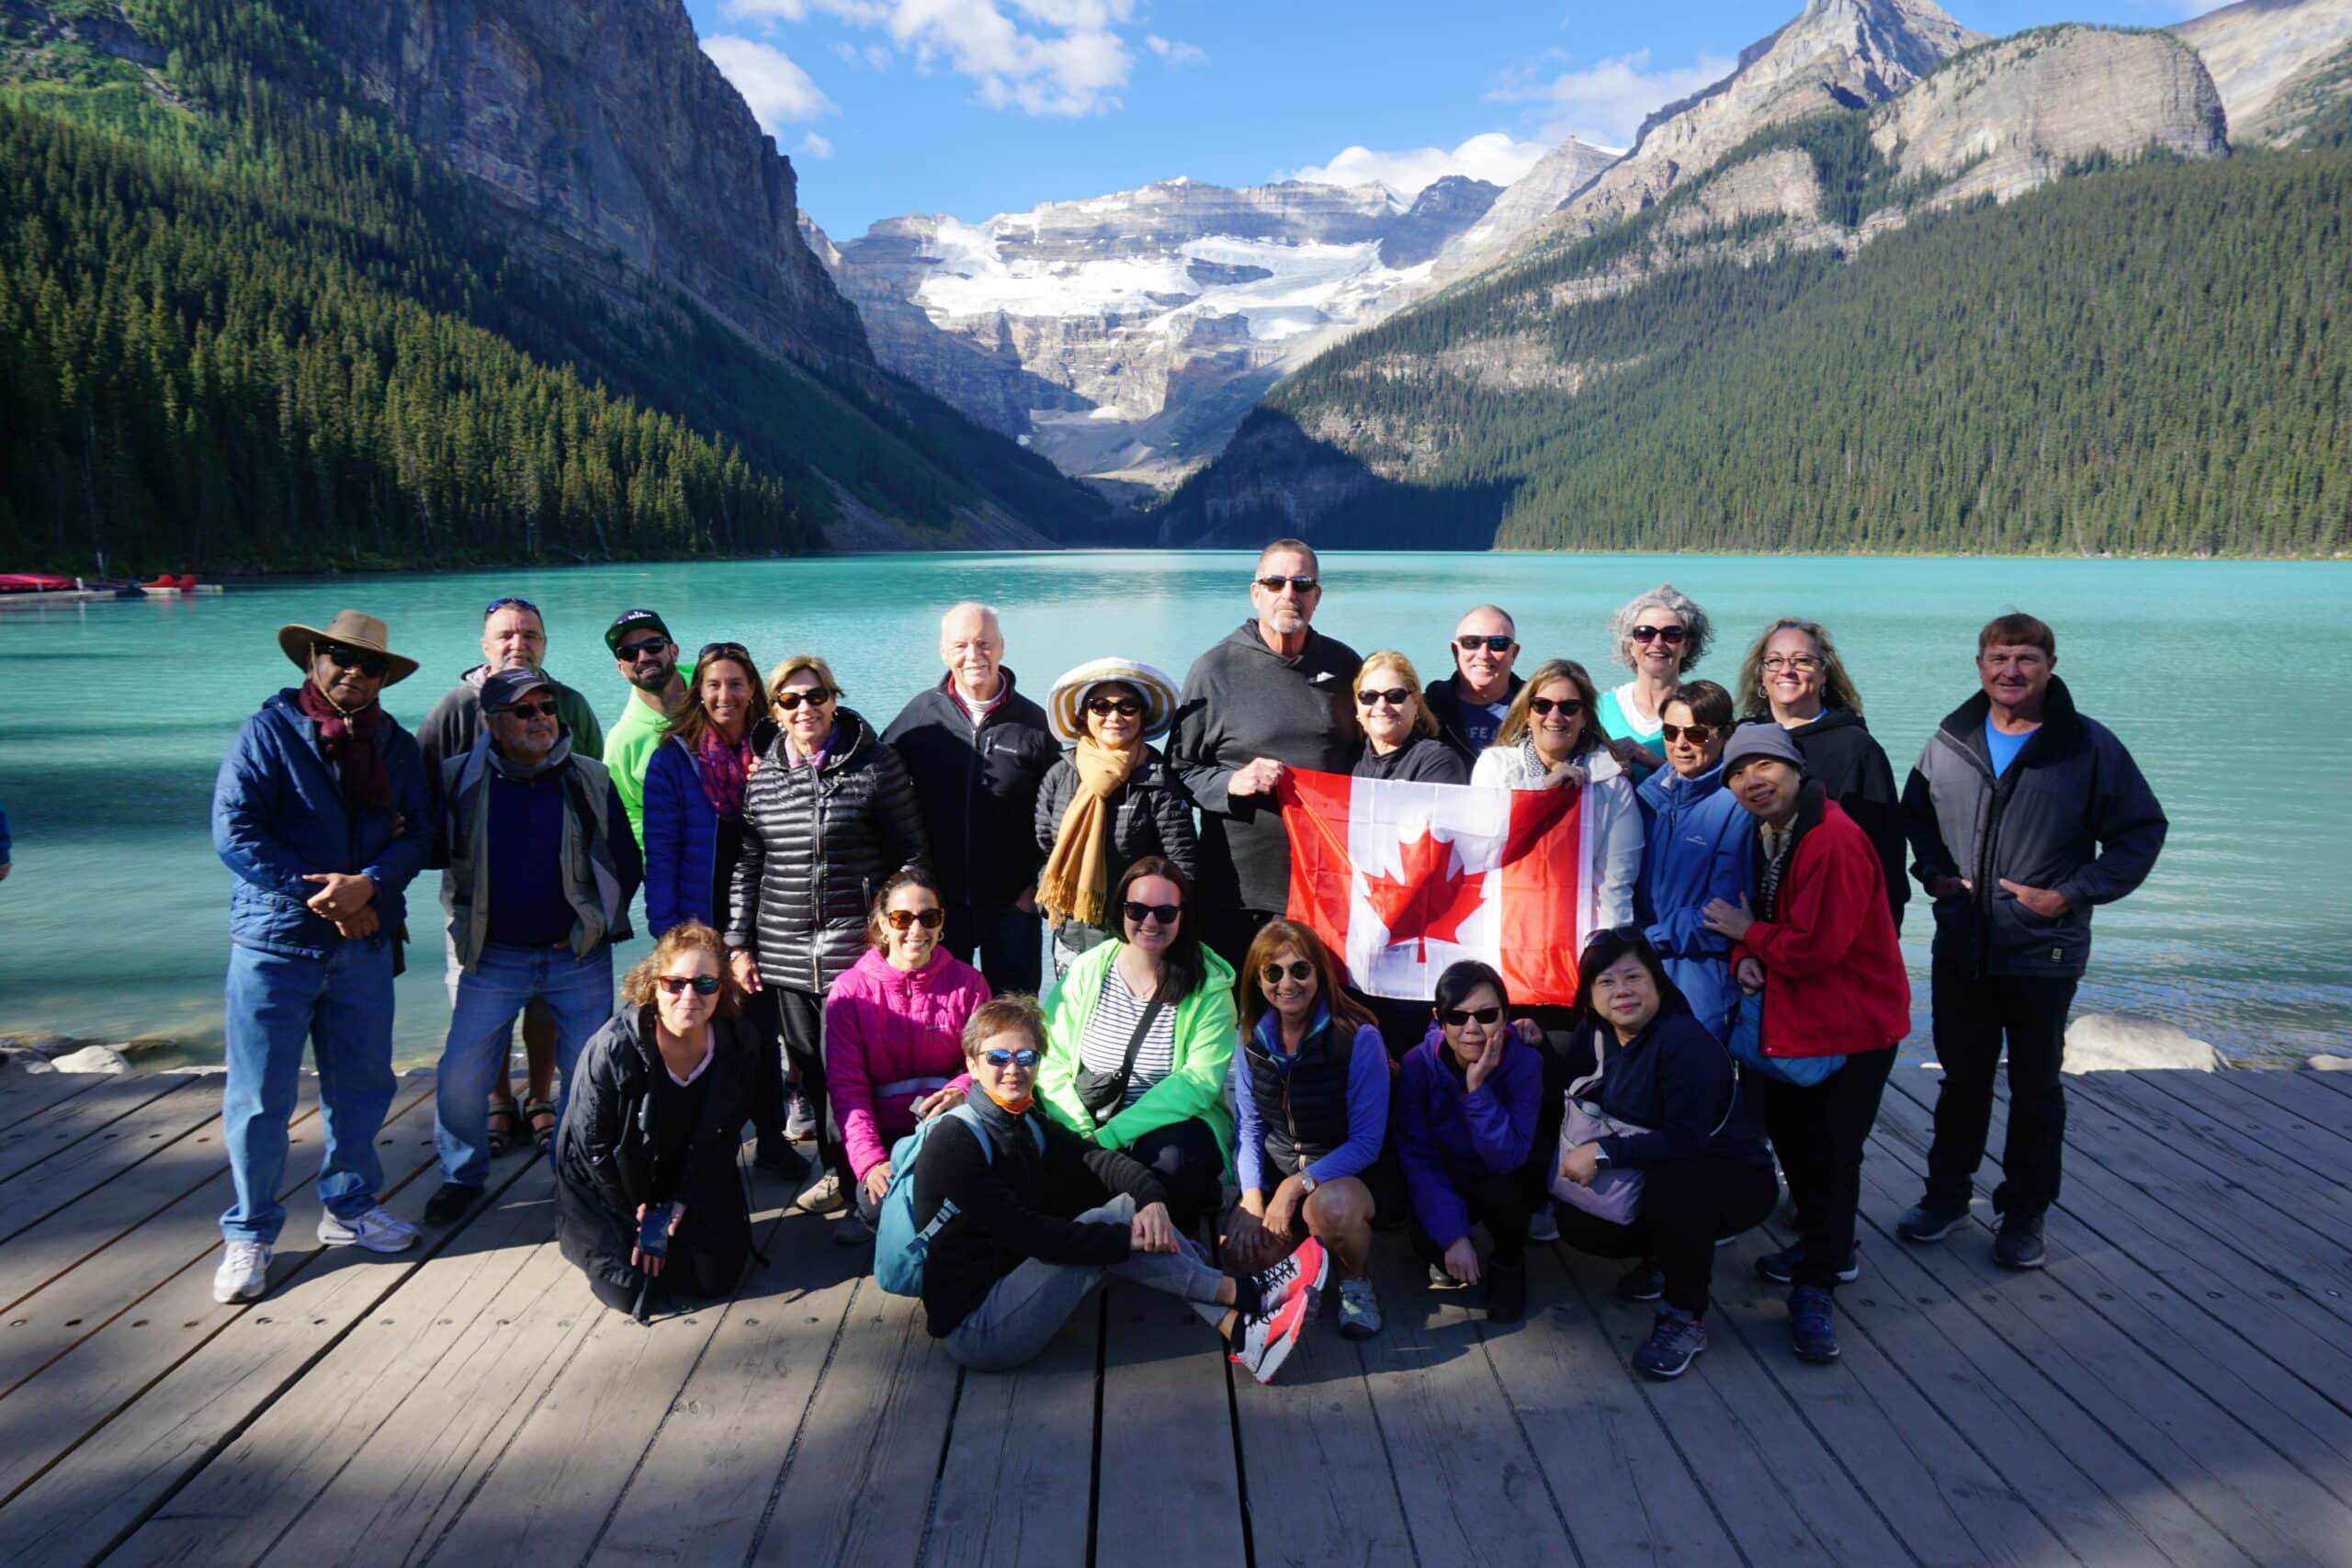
(647, 657)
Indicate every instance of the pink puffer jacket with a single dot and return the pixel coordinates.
(891, 1035)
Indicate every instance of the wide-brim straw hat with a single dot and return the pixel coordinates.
(351, 628)
(1066, 703)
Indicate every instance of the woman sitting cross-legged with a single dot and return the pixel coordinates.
(1310, 1088)
(1039, 1216)
(1670, 1110)
(654, 1122)
(1467, 1103)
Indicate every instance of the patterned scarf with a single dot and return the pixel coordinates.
(348, 741)
(723, 768)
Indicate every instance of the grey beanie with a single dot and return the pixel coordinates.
(1752, 740)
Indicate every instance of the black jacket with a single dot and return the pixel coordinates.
(1423, 760)
(1676, 1081)
(977, 788)
(1841, 753)
(2071, 813)
(1150, 815)
(1014, 1204)
(1443, 698)
(604, 1150)
(818, 841)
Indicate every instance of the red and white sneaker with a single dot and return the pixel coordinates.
(1268, 1338)
(1300, 1274)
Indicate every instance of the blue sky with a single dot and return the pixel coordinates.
(971, 107)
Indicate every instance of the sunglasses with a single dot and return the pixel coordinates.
(1697, 734)
(346, 657)
(1300, 969)
(1301, 586)
(1456, 1017)
(899, 920)
(733, 649)
(1022, 1058)
(1663, 634)
(1394, 697)
(817, 696)
(1569, 707)
(1491, 644)
(1102, 707)
(633, 651)
(1144, 913)
(509, 603)
(704, 985)
(543, 710)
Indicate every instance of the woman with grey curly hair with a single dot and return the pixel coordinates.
(1658, 636)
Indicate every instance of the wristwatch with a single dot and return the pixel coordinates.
(1306, 1183)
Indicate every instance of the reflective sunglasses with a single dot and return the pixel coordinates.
(817, 695)
(1101, 707)
(510, 603)
(1144, 913)
(1790, 661)
(704, 985)
(1394, 697)
(1300, 585)
(630, 652)
(1300, 969)
(1697, 734)
(1456, 1017)
(1663, 634)
(1492, 644)
(542, 709)
(346, 657)
(1568, 706)
(899, 920)
(1021, 1058)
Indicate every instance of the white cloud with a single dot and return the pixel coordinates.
(815, 146)
(778, 91)
(1605, 103)
(1043, 57)
(1174, 51)
(1492, 156)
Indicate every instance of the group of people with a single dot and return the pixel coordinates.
(855, 923)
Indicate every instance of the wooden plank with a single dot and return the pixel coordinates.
(31, 1196)
(1167, 1488)
(2292, 1092)
(2235, 1121)
(24, 1095)
(2235, 1144)
(37, 1139)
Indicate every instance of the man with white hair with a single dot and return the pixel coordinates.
(978, 751)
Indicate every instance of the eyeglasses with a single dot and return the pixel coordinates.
(542, 709)
(1799, 661)
(1663, 634)
(1102, 707)
(1697, 734)
(1492, 644)
(816, 696)
(509, 603)
(1567, 707)
(1456, 1017)
(704, 985)
(1022, 1058)
(1302, 586)
(1300, 969)
(346, 657)
(634, 651)
(899, 920)
(1394, 697)
(1144, 913)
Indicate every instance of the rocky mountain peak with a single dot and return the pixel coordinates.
(1444, 208)
(2276, 62)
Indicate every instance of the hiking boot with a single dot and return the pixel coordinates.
(1931, 1221)
(1359, 1310)
(449, 1202)
(1813, 1324)
(1542, 1226)
(1506, 1293)
(1301, 1275)
(243, 1273)
(1676, 1339)
(776, 1152)
(1645, 1281)
(1267, 1338)
(2017, 1244)
(823, 1196)
(1781, 1267)
(375, 1231)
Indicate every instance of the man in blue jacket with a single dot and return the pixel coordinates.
(323, 813)
(2022, 815)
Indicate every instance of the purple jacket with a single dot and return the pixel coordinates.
(890, 1035)
(1442, 1127)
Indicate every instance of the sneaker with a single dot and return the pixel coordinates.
(1645, 1281)
(1813, 1324)
(799, 1115)
(851, 1231)
(2017, 1244)
(1269, 1338)
(1781, 1267)
(823, 1196)
(243, 1273)
(776, 1153)
(376, 1231)
(1931, 1221)
(1542, 1226)
(449, 1202)
(1506, 1293)
(1442, 1280)
(1359, 1310)
(1299, 1275)
(1676, 1339)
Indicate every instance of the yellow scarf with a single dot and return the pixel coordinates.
(1076, 876)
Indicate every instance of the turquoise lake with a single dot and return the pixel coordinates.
(2223, 678)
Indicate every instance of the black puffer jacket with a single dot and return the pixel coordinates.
(1150, 815)
(818, 841)
(603, 1151)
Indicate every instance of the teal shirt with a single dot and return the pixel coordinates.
(630, 746)
(1618, 725)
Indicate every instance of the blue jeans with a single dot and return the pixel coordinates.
(577, 991)
(342, 1006)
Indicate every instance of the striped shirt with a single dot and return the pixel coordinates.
(1103, 1045)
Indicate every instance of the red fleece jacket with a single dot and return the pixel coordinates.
(1834, 981)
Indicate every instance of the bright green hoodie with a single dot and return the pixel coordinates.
(1206, 1030)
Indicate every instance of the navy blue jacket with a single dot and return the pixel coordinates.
(681, 841)
(278, 815)
(1696, 838)
(1677, 1081)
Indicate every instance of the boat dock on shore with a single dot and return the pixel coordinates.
(2175, 1388)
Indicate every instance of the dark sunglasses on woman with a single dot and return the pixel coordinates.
(899, 920)
(1697, 734)
(1568, 706)
(1663, 634)
(1456, 1017)
(346, 657)
(1102, 707)
(1394, 697)
(704, 985)
(816, 696)
(732, 650)
(1300, 969)
(1145, 914)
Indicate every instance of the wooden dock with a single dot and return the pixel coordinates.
(2176, 1388)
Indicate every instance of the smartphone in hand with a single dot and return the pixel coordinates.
(653, 1231)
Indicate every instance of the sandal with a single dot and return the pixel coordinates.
(545, 1133)
(504, 1124)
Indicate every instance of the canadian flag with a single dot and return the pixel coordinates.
(1404, 879)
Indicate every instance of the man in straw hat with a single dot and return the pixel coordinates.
(323, 813)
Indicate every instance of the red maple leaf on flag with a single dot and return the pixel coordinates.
(1428, 898)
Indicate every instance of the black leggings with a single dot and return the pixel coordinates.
(1818, 1131)
(1687, 1205)
(1502, 1204)
(796, 1019)
(1186, 1157)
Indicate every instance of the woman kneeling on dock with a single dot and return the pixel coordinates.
(1036, 1217)
(655, 1123)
